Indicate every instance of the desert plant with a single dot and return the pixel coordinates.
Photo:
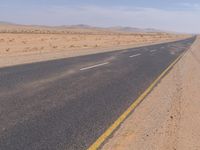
(7, 49)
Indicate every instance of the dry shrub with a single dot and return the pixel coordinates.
(24, 42)
(27, 48)
(97, 39)
(55, 46)
(7, 49)
(74, 38)
(53, 38)
(2, 40)
(71, 46)
(34, 48)
(11, 40)
(85, 45)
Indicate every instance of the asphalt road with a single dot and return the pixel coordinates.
(69, 103)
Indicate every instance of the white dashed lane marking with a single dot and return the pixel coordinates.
(152, 51)
(134, 55)
(94, 66)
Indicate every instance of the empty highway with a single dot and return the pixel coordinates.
(67, 104)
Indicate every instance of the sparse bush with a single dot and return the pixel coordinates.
(71, 46)
(11, 40)
(34, 48)
(2, 40)
(24, 42)
(55, 46)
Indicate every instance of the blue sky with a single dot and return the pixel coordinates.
(171, 15)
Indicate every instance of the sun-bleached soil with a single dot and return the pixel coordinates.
(169, 117)
(19, 44)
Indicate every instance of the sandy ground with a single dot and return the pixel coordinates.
(25, 44)
(169, 117)
(15, 44)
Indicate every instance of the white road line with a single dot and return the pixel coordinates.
(94, 66)
(134, 55)
(153, 51)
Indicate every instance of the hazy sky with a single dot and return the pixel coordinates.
(172, 15)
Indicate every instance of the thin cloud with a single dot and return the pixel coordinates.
(175, 20)
(144, 17)
(192, 6)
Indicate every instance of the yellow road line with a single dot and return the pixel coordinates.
(116, 124)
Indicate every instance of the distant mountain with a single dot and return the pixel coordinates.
(79, 26)
(115, 28)
(82, 26)
(133, 29)
(87, 27)
(6, 23)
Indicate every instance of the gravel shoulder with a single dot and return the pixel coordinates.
(169, 117)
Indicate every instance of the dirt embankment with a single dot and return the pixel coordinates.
(169, 117)
(25, 44)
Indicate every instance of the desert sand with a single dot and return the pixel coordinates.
(169, 117)
(25, 44)
(15, 44)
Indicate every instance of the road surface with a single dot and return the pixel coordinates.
(69, 103)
